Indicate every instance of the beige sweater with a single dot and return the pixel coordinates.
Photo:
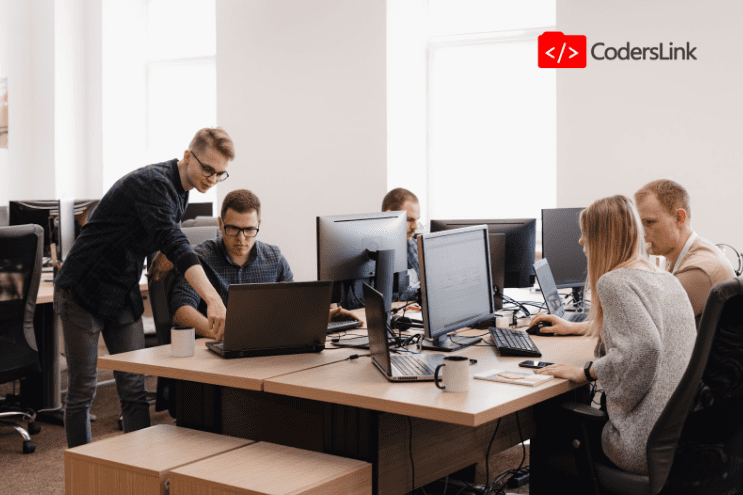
(649, 334)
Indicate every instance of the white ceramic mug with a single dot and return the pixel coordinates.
(182, 341)
(456, 376)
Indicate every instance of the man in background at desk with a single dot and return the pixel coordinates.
(400, 199)
(665, 211)
(236, 257)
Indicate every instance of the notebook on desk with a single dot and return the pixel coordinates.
(398, 367)
(274, 319)
(548, 287)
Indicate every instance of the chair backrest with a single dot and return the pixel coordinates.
(709, 364)
(21, 247)
(201, 222)
(197, 235)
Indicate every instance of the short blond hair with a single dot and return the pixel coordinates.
(670, 194)
(613, 236)
(213, 138)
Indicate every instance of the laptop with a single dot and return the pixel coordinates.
(398, 367)
(548, 287)
(275, 319)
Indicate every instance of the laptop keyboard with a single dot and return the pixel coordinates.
(514, 342)
(411, 365)
(340, 326)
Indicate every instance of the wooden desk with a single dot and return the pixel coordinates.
(329, 404)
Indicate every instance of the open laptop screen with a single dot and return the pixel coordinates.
(376, 322)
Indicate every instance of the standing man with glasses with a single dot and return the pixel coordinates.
(97, 288)
(236, 257)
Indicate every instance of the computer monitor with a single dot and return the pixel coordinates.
(352, 249)
(560, 234)
(521, 237)
(194, 210)
(497, 242)
(456, 284)
(38, 213)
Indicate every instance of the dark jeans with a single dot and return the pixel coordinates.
(81, 333)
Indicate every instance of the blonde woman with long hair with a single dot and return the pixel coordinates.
(645, 328)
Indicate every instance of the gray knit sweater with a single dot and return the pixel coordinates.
(649, 334)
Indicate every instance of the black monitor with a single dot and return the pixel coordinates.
(456, 284)
(521, 237)
(194, 210)
(352, 249)
(560, 234)
(38, 213)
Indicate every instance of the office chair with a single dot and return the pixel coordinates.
(201, 222)
(160, 301)
(696, 445)
(21, 247)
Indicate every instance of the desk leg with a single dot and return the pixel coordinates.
(42, 391)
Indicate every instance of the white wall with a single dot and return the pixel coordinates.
(621, 124)
(51, 54)
(301, 90)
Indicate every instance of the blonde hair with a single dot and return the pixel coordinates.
(670, 194)
(216, 138)
(613, 236)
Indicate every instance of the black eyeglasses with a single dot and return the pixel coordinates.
(234, 231)
(207, 171)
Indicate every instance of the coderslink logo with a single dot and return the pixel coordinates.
(560, 51)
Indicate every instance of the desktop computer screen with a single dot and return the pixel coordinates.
(38, 213)
(521, 236)
(456, 284)
(352, 249)
(560, 234)
(497, 243)
(194, 210)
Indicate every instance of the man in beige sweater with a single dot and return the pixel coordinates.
(697, 263)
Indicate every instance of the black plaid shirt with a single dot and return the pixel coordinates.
(137, 216)
(265, 264)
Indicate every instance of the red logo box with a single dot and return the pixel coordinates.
(560, 51)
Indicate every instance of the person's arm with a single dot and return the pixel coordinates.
(697, 285)
(215, 310)
(187, 316)
(184, 304)
(560, 326)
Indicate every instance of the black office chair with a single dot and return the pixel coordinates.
(20, 274)
(696, 445)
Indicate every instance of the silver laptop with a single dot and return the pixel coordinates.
(548, 287)
(396, 368)
(274, 319)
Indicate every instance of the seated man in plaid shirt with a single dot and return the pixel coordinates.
(236, 257)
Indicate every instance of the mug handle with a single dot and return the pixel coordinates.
(436, 378)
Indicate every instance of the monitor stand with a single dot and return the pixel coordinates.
(446, 343)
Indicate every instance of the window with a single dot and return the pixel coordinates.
(181, 77)
(489, 113)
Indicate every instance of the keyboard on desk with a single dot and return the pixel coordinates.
(341, 326)
(514, 342)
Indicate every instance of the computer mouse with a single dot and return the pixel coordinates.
(536, 329)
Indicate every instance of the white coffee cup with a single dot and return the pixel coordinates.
(182, 341)
(456, 375)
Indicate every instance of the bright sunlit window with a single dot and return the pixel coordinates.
(488, 113)
(181, 77)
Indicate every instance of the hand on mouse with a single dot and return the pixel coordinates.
(559, 326)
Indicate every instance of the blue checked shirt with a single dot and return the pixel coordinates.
(265, 264)
(139, 215)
